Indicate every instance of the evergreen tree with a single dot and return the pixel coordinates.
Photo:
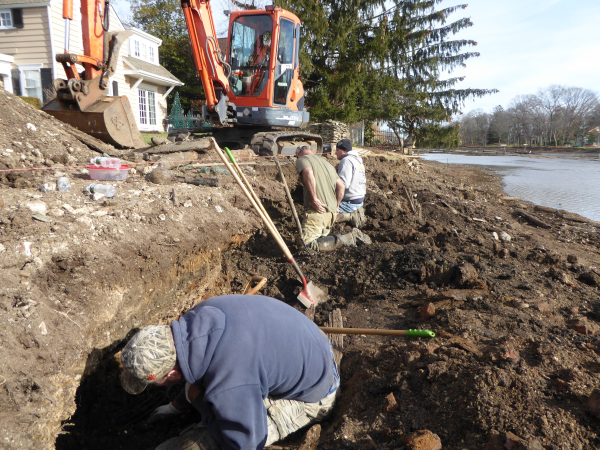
(177, 117)
(164, 19)
(375, 60)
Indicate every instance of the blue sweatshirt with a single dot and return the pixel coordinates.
(242, 349)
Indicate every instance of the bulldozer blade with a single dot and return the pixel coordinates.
(313, 297)
(109, 119)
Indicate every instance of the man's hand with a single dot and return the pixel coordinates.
(163, 412)
(318, 206)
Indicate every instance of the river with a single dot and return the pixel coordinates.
(565, 183)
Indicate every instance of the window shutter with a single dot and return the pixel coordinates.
(17, 17)
(115, 89)
(47, 83)
(16, 81)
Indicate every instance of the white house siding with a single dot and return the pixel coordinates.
(32, 45)
(161, 100)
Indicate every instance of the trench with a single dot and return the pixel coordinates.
(108, 417)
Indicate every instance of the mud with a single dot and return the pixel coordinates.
(514, 306)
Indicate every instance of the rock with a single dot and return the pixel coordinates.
(510, 354)
(495, 236)
(2, 248)
(31, 127)
(572, 259)
(160, 175)
(146, 170)
(583, 326)
(68, 208)
(504, 236)
(392, 404)
(590, 278)
(594, 403)
(311, 439)
(1, 202)
(514, 442)
(519, 304)
(159, 140)
(543, 307)
(422, 440)
(86, 221)
(503, 253)
(427, 311)
(35, 207)
(48, 187)
(466, 274)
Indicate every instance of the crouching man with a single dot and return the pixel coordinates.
(323, 193)
(255, 368)
(351, 171)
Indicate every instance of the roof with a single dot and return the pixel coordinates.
(153, 69)
(23, 2)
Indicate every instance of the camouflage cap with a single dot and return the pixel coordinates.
(148, 356)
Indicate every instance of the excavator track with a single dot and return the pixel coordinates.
(264, 142)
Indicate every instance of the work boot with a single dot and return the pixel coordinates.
(327, 243)
(361, 215)
(352, 218)
(347, 239)
(359, 236)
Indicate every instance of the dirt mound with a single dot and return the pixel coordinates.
(515, 306)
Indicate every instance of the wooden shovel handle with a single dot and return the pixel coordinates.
(260, 282)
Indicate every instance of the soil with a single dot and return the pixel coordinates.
(514, 305)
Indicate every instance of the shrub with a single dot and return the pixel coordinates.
(33, 101)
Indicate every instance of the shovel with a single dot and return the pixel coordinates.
(255, 281)
(290, 200)
(380, 332)
(310, 294)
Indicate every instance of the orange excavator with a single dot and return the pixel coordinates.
(253, 93)
(82, 99)
(255, 86)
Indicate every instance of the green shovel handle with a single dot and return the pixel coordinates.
(420, 333)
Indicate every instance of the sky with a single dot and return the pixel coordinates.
(524, 45)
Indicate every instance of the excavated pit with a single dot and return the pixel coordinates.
(516, 320)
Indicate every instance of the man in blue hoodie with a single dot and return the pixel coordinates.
(351, 170)
(255, 368)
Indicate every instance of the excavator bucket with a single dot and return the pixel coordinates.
(109, 119)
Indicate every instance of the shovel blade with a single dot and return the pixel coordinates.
(317, 294)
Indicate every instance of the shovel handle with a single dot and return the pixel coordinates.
(380, 332)
(260, 282)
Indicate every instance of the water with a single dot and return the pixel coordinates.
(571, 184)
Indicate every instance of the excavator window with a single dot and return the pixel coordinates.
(250, 53)
(284, 71)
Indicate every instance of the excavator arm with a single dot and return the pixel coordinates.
(212, 70)
(81, 99)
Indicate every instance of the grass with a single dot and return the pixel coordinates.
(148, 136)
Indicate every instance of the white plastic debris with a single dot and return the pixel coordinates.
(187, 204)
(43, 329)
(495, 236)
(218, 208)
(25, 247)
(31, 127)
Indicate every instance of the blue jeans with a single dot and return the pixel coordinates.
(347, 207)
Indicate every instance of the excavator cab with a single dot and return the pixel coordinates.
(263, 53)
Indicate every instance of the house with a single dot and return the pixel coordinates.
(33, 31)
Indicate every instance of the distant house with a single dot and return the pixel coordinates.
(33, 31)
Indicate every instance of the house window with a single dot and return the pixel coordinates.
(143, 52)
(147, 107)
(6, 20)
(30, 78)
(136, 45)
(151, 54)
